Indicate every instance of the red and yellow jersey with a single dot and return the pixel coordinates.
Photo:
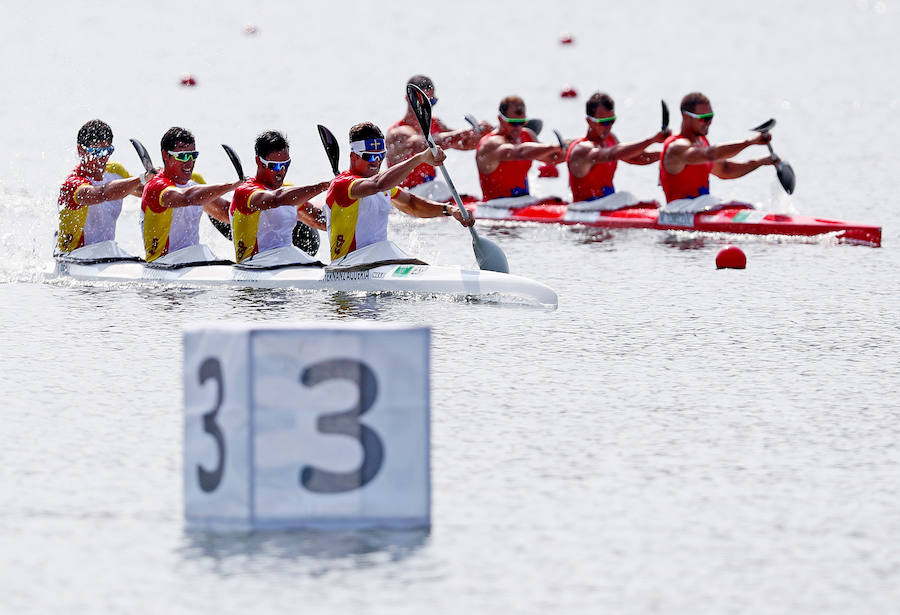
(598, 182)
(510, 178)
(167, 229)
(424, 172)
(255, 231)
(355, 223)
(79, 225)
(693, 181)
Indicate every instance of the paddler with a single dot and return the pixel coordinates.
(504, 155)
(405, 138)
(592, 159)
(90, 199)
(360, 199)
(687, 158)
(174, 199)
(263, 213)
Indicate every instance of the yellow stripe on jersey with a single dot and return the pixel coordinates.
(71, 228)
(118, 169)
(244, 229)
(342, 227)
(156, 231)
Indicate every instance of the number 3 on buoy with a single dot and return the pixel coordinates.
(306, 426)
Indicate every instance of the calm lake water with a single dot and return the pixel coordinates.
(673, 439)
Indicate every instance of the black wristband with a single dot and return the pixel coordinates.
(446, 211)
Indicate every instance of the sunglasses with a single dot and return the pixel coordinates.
(602, 120)
(276, 165)
(184, 156)
(99, 152)
(513, 120)
(703, 117)
(370, 156)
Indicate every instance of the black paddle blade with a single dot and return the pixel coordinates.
(421, 106)
(765, 126)
(535, 125)
(665, 115)
(142, 154)
(786, 177)
(222, 227)
(332, 149)
(559, 137)
(235, 161)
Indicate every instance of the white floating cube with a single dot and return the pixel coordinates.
(306, 425)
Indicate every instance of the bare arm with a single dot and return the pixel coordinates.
(464, 138)
(496, 151)
(682, 153)
(288, 195)
(201, 194)
(726, 169)
(416, 206)
(394, 175)
(310, 215)
(218, 209)
(87, 195)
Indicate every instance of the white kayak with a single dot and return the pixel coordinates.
(381, 267)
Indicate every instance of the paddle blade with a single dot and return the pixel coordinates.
(220, 226)
(559, 137)
(535, 125)
(665, 115)
(142, 154)
(765, 126)
(786, 177)
(235, 161)
(421, 106)
(332, 149)
(489, 255)
(472, 121)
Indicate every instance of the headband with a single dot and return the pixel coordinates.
(367, 145)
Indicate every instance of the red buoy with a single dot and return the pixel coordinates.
(251, 30)
(566, 39)
(731, 257)
(188, 80)
(568, 92)
(548, 170)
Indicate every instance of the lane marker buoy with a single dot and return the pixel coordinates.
(731, 257)
(188, 80)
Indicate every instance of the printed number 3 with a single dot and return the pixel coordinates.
(212, 369)
(347, 423)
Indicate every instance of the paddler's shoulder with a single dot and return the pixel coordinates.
(117, 168)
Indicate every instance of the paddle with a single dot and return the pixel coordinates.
(488, 254)
(142, 154)
(665, 116)
(332, 149)
(235, 161)
(784, 170)
(559, 137)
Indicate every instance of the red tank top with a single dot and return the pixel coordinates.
(599, 180)
(510, 178)
(424, 172)
(693, 181)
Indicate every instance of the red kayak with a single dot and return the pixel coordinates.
(729, 218)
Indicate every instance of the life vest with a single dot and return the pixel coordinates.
(424, 172)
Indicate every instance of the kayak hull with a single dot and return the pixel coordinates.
(736, 219)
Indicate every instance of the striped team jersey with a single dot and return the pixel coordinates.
(255, 231)
(82, 226)
(167, 229)
(355, 223)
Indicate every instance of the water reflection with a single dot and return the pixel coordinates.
(369, 306)
(321, 550)
(684, 241)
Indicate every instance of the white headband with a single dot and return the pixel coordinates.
(367, 145)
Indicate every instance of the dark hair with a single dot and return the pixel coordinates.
(174, 136)
(509, 101)
(93, 132)
(365, 130)
(691, 101)
(599, 99)
(422, 82)
(270, 141)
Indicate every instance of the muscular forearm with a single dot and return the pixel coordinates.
(394, 175)
(297, 195)
(114, 190)
(197, 195)
(733, 170)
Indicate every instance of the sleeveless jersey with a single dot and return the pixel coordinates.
(510, 178)
(81, 226)
(255, 231)
(355, 223)
(167, 229)
(599, 180)
(693, 181)
(424, 172)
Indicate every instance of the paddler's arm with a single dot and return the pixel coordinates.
(287, 195)
(393, 176)
(492, 153)
(462, 139)
(312, 216)
(87, 195)
(416, 206)
(402, 142)
(681, 152)
(635, 153)
(218, 209)
(200, 194)
(728, 169)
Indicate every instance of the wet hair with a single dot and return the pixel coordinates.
(270, 141)
(365, 130)
(422, 82)
(599, 99)
(508, 102)
(693, 100)
(93, 132)
(174, 136)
